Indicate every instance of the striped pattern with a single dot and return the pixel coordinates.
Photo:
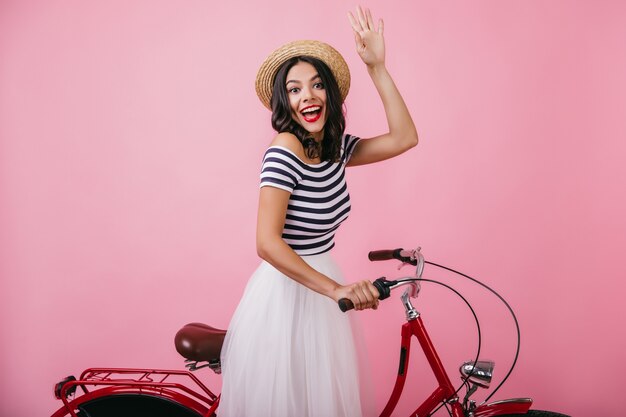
(319, 200)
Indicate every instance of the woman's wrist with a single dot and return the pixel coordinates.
(376, 69)
(330, 288)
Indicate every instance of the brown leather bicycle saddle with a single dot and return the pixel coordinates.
(199, 342)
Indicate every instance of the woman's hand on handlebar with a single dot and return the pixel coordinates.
(363, 294)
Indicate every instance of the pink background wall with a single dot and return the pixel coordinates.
(130, 142)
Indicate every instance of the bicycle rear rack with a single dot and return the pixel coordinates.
(181, 386)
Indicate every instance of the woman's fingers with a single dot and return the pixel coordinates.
(370, 19)
(356, 298)
(356, 26)
(367, 294)
(374, 295)
(364, 21)
(362, 18)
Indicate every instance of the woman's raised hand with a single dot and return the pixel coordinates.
(370, 43)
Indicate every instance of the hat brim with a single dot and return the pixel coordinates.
(316, 49)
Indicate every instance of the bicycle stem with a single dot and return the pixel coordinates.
(412, 291)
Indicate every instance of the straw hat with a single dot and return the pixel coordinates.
(320, 50)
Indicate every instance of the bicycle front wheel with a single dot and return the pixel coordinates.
(536, 413)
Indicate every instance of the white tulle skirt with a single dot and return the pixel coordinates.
(289, 351)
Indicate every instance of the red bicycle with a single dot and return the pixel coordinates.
(165, 393)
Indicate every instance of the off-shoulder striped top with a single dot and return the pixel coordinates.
(319, 200)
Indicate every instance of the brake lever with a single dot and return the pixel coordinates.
(403, 264)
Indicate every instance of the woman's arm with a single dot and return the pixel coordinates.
(272, 248)
(402, 134)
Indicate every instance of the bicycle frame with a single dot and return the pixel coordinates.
(414, 326)
(445, 392)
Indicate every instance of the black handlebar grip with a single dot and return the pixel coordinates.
(382, 285)
(383, 255)
(345, 304)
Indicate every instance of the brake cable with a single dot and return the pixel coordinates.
(510, 311)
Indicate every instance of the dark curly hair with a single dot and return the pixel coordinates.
(282, 121)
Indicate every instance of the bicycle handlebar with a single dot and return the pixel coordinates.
(382, 285)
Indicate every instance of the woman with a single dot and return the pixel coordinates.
(289, 350)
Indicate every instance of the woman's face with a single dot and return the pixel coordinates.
(307, 98)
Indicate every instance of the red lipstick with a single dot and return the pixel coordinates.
(311, 117)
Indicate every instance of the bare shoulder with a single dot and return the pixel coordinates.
(289, 141)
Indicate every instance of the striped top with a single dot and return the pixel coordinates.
(319, 200)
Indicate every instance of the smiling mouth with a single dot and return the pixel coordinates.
(311, 114)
